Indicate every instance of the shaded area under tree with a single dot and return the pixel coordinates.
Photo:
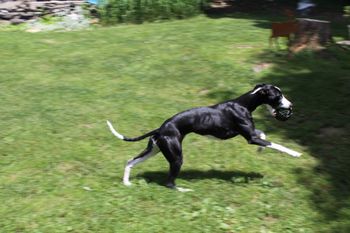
(319, 84)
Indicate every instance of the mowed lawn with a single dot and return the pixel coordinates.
(61, 168)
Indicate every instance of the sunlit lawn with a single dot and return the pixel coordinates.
(61, 168)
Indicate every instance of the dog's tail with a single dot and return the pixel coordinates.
(118, 135)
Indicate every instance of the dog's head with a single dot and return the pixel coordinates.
(279, 106)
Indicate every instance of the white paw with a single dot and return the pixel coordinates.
(183, 190)
(127, 183)
(296, 154)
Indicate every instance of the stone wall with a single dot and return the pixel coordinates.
(20, 11)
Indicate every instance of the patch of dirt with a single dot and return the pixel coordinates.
(49, 41)
(244, 47)
(270, 219)
(204, 92)
(331, 132)
(261, 67)
(66, 167)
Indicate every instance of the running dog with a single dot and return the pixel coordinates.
(222, 121)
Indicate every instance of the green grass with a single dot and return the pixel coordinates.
(61, 168)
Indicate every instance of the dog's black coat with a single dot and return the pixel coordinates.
(223, 121)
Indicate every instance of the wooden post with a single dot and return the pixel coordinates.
(312, 34)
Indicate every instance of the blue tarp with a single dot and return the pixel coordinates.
(95, 2)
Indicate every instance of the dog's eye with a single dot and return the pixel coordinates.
(276, 99)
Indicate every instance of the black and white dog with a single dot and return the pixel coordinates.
(222, 121)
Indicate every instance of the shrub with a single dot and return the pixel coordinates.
(139, 11)
(347, 11)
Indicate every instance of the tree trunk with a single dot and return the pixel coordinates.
(311, 34)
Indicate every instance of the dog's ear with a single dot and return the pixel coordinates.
(264, 91)
(261, 88)
(259, 85)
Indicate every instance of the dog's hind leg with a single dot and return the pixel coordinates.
(151, 150)
(172, 151)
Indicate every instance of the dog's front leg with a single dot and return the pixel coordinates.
(262, 136)
(250, 134)
(261, 142)
(284, 149)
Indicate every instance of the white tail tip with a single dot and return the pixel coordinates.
(114, 132)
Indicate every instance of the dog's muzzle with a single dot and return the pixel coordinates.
(283, 111)
(280, 113)
(283, 114)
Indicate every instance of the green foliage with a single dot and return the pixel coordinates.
(139, 11)
(347, 11)
(49, 19)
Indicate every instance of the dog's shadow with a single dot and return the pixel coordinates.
(159, 177)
